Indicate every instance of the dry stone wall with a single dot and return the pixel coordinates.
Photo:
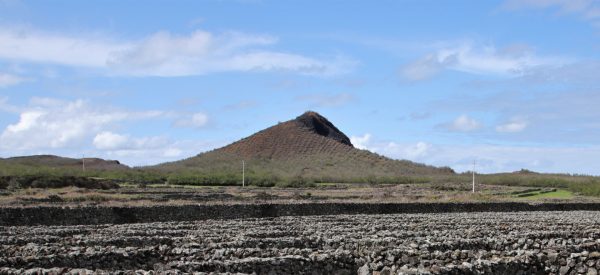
(120, 215)
(428, 243)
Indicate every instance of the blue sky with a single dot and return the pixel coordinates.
(511, 84)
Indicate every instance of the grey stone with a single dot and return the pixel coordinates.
(564, 270)
(552, 257)
(386, 271)
(364, 270)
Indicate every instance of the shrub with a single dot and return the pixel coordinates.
(204, 179)
(52, 181)
(4, 182)
(588, 188)
(262, 181)
(297, 182)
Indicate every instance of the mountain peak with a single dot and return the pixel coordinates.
(308, 134)
(308, 146)
(318, 124)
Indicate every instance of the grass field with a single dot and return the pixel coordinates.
(557, 194)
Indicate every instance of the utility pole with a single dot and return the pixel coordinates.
(83, 162)
(473, 176)
(243, 174)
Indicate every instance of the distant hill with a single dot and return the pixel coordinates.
(309, 146)
(51, 161)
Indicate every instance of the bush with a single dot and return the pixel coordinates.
(262, 181)
(205, 179)
(526, 180)
(51, 181)
(4, 182)
(55, 198)
(217, 179)
(297, 182)
(588, 188)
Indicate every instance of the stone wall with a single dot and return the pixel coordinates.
(49, 215)
(508, 243)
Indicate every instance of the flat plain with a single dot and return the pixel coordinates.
(161, 194)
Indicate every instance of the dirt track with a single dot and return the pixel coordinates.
(446, 243)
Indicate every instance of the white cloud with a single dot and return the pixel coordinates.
(466, 57)
(512, 126)
(163, 53)
(70, 128)
(197, 120)
(110, 141)
(42, 47)
(165, 150)
(490, 158)
(410, 151)
(361, 142)
(418, 150)
(423, 68)
(570, 115)
(50, 123)
(10, 80)
(463, 123)
(172, 152)
(504, 158)
(124, 144)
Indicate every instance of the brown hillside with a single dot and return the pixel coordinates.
(308, 134)
(308, 146)
(63, 162)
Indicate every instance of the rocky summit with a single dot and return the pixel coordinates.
(321, 126)
(307, 134)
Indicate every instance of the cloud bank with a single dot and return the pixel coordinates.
(491, 158)
(468, 57)
(65, 127)
(164, 54)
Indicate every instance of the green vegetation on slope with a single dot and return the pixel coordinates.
(556, 194)
(359, 167)
(584, 185)
(222, 171)
(23, 174)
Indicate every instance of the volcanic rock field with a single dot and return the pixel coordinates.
(436, 243)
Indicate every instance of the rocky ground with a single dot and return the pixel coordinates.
(360, 193)
(445, 243)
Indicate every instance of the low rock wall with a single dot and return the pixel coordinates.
(536, 242)
(49, 215)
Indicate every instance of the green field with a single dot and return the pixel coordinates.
(558, 194)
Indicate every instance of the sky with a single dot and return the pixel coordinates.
(509, 84)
